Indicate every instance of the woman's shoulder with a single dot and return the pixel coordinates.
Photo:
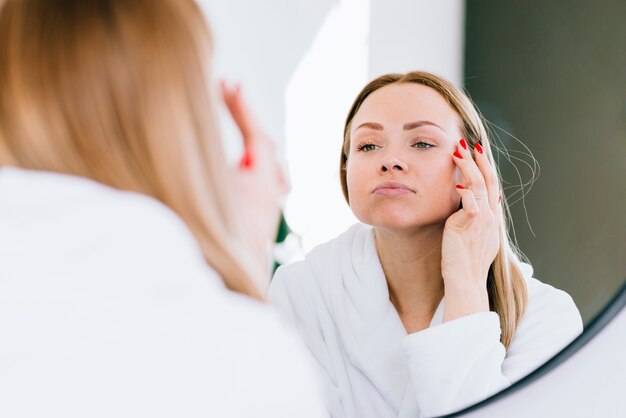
(551, 319)
(544, 299)
(120, 278)
(550, 322)
(109, 245)
(73, 213)
(113, 239)
(321, 266)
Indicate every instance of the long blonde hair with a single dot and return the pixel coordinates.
(505, 284)
(119, 91)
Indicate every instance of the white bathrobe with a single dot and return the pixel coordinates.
(108, 309)
(338, 299)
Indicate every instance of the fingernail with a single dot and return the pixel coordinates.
(463, 143)
(457, 154)
(478, 148)
(458, 186)
(499, 198)
(246, 161)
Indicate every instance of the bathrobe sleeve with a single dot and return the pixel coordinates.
(460, 362)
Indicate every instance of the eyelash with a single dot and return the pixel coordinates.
(363, 147)
(425, 143)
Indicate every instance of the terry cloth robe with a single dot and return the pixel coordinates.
(108, 309)
(338, 299)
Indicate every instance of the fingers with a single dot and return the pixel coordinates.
(233, 99)
(470, 206)
(490, 176)
(479, 173)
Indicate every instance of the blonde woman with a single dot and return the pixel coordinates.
(424, 307)
(122, 228)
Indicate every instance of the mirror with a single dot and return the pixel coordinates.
(550, 78)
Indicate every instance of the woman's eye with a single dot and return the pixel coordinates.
(367, 147)
(421, 144)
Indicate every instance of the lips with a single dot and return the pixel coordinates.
(392, 188)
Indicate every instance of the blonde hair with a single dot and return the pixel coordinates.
(118, 91)
(505, 284)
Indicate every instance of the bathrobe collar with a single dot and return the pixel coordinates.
(367, 323)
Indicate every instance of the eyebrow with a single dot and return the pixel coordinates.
(413, 125)
(407, 126)
(371, 125)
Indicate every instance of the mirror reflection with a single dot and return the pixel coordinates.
(424, 306)
(549, 83)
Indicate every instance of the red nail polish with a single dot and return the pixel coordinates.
(500, 199)
(478, 148)
(246, 161)
(457, 154)
(458, 186)
(463, 143)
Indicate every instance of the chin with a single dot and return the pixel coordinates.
(401, 218)
(392, 220)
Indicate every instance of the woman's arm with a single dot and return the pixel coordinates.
(462, 361)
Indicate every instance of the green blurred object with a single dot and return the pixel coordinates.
(281, 235)
(283, 229)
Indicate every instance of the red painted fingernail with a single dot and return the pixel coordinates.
(246, 161)
(463, 143)
(478, 148)
(499, 198)
(458, 186)
(457, 154)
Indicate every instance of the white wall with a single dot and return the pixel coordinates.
(303, 62)
(417, 35)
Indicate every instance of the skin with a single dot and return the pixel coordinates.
(260, 180)
(428, 247)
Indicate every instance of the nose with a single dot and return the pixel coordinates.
(392, 164)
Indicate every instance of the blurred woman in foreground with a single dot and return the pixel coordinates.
(121, 225)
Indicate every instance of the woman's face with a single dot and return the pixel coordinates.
(400, 172)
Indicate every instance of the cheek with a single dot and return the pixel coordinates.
(439, 182)
(440, 172)
(357, 181)
(352, 176)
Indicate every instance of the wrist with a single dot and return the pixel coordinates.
(462, 302)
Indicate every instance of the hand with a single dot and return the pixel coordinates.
(259, 179)
(471, 236)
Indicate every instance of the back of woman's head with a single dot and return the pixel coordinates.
(119, 91)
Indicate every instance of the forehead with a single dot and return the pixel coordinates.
(397, 104)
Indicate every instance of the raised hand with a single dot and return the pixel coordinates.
(259, 179)
(471, 235)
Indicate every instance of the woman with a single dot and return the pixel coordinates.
(425, 307)
(120, 224)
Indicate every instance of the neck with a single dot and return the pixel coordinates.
(411, 262)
